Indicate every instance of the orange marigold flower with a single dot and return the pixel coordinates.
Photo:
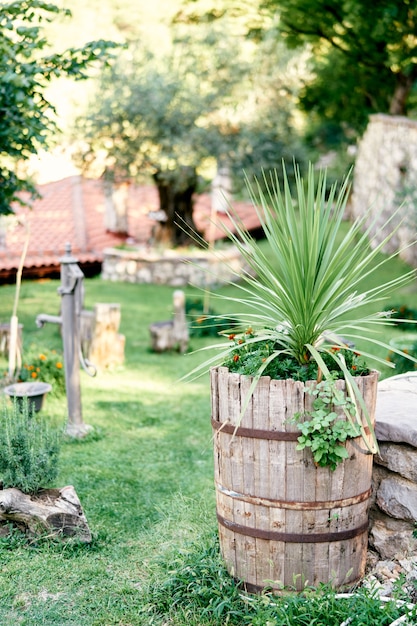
(42, 357)
(34, 375)
(240, 341)
(59, 365)
(31, 367)
(232, 336)
(354, 367)
(236, 358)
(249, 331)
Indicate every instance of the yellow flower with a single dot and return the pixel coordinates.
(34, 375)
(42, 357)
(59, 365)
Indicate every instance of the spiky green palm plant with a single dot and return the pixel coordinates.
(308, 292)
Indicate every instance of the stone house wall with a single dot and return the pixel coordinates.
(385, 176)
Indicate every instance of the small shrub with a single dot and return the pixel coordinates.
(403, 312)
(206, 323)
(401, 362)
(29, 449)
(247, 358)
(45, 366)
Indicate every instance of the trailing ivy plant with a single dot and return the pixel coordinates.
(322, 429)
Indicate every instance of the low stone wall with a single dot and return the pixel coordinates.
(385, 178)
(394, 509)
(201, 267)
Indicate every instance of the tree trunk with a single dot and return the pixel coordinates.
(398, 105)
(53, 511)
(177, 205)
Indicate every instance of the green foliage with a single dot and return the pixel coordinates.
(314, 286)
(26, 116)
(197, 582)
(363, 55)
(45, 366)
(29, 449)
(249, 357)
(205, 323)
(322, 429)
(156, 445)
(401, 360)
(406, 315)
(308, 293)
(212, 97)
(195, 589)
(152, 116)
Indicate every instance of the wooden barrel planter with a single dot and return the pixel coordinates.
(283, 522)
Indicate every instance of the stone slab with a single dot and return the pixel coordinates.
(396, 409)
(397, 497)
(391, 537)
(399, 458)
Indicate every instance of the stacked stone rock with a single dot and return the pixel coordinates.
(394, 506)
(385, 178)
(202, 268)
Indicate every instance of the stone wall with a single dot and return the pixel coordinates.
(394, 508)
(385, 177)
(170, 267)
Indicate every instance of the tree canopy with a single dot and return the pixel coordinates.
(27, 120)
(364, 55)
(175, 115)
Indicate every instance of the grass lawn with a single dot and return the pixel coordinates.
(144, 479)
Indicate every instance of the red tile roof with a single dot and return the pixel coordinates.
(73, 210)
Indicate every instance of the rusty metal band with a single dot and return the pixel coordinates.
(256, 433)
(272, 535)
(295, 505)
(252, 433)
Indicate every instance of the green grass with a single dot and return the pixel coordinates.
(144, 479)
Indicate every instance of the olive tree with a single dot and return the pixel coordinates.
(158, 117)
(215, 97)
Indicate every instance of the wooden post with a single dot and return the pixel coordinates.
(71, 292)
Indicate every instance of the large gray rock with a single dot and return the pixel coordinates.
(397, 497)
(399, 458)
(396, 409)
(391, 538)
